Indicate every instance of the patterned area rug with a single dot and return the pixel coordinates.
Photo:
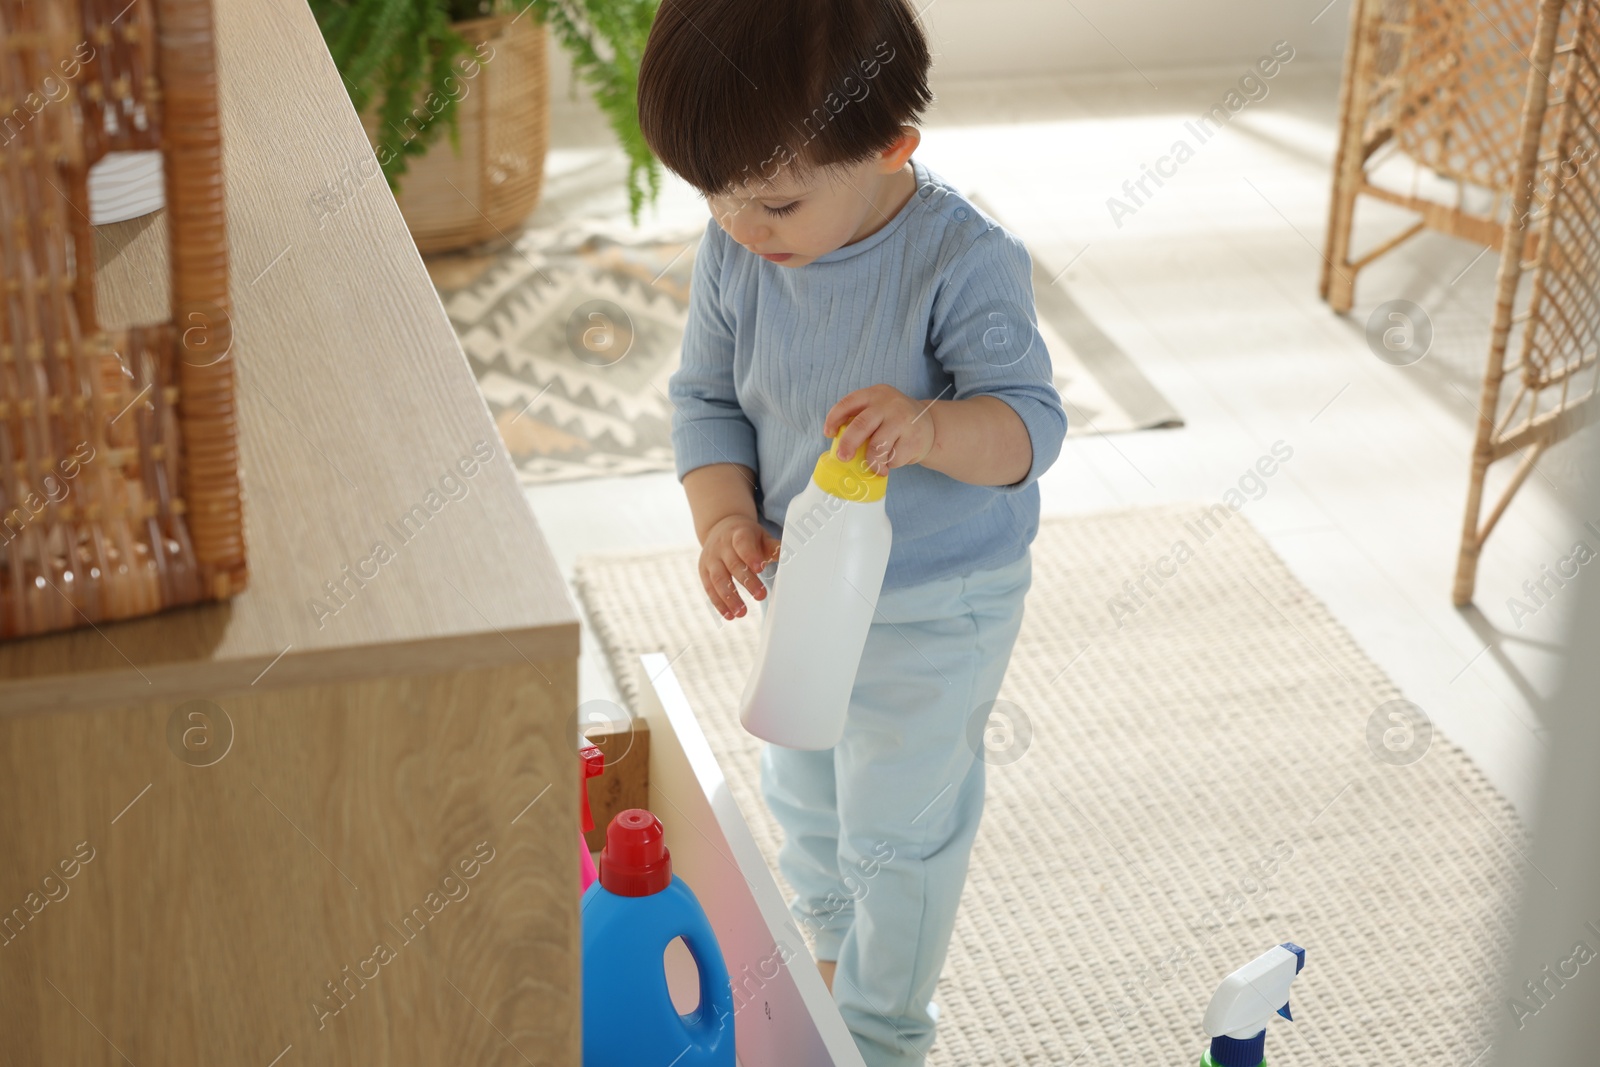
(572, 333)
(1177, 782)
(574, 329)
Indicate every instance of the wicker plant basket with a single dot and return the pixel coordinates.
(119, 479)
(452, 201)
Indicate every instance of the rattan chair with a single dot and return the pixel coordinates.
(1557, 328)
(1441, 82)
(119, 469)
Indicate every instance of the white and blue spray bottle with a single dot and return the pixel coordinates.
(1245, 1002)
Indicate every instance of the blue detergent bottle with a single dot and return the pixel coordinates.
(629, 916)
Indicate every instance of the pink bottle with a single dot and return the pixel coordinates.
(594, 762)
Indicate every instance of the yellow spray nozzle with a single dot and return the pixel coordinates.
(849, 479)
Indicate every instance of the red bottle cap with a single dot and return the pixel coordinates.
(635, 861)
(594, 764)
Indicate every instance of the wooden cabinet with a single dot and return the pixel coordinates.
(330, 822)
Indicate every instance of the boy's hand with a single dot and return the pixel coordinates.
(737, 546)
(897, 430)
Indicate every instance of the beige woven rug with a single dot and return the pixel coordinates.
(1171, 797)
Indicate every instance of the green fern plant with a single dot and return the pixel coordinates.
(398, 56)
(606, 40)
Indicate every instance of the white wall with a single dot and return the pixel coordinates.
(985, 38)
(975, 38)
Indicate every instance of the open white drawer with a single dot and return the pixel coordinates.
(784, 1015)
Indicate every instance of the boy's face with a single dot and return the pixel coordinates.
(794, 218)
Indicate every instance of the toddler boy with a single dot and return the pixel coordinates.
(841, 281)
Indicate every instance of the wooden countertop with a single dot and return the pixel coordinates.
(356, 402)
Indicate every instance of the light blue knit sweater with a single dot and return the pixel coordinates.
(938, 304)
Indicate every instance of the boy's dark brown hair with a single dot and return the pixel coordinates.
(735, 92)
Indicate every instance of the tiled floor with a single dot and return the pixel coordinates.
(1211, 286)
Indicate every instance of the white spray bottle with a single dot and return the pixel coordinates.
(835, 550)
(1245, 1002)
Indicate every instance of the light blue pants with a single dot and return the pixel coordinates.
(878, 829)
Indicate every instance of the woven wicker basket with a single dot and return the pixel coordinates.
(451, 201)
(119, 479)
